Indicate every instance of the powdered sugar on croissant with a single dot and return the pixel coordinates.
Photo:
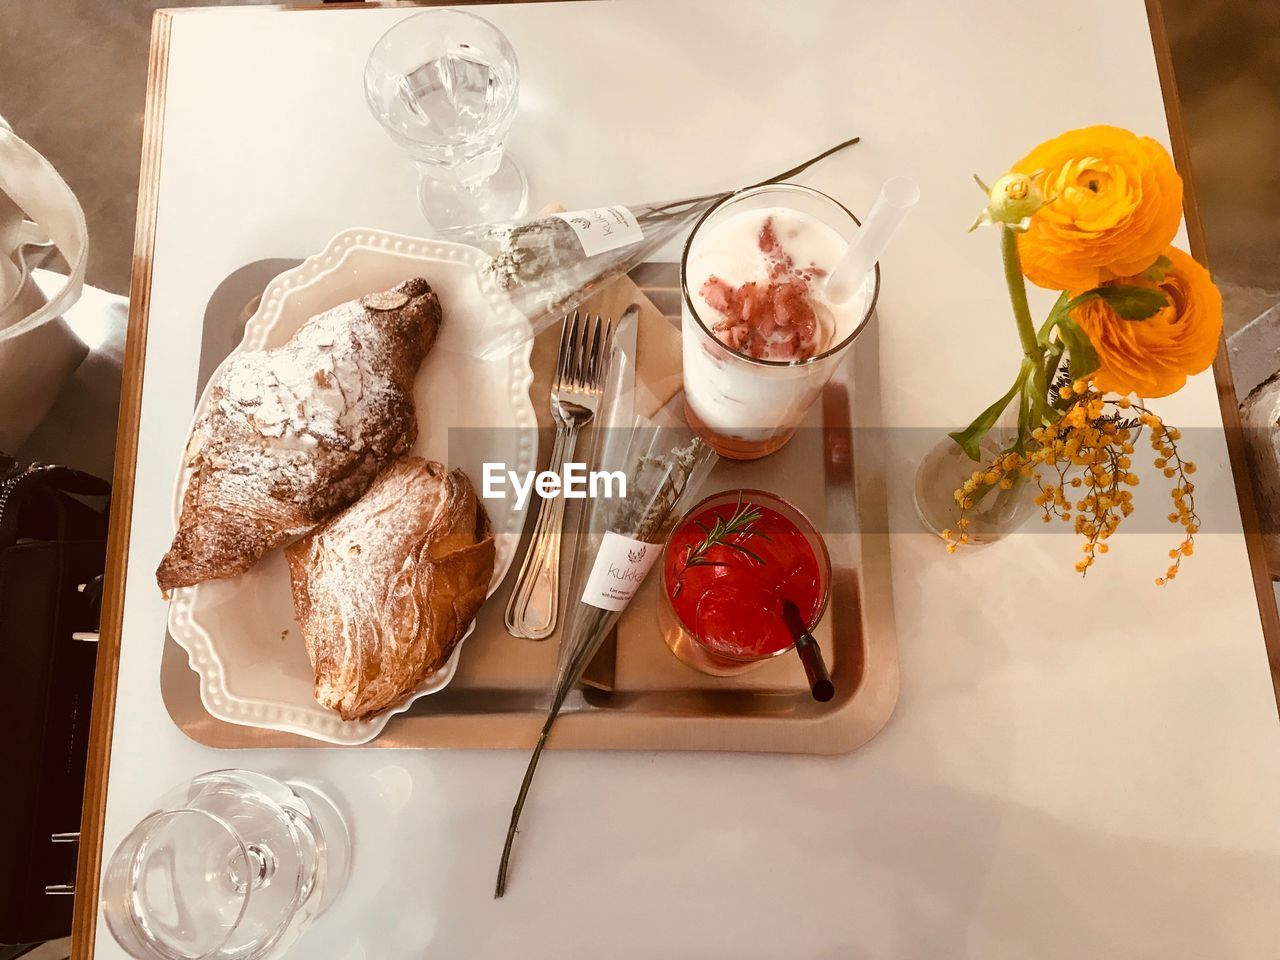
(295, 433)
(385, 590)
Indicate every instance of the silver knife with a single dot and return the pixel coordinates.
(625, 340)
(601, 670)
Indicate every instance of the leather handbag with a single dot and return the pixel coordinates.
(53, 532)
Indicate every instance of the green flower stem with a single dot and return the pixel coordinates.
(1027, 376)
(1040, 361)
(1038, 402)
(1053, 348)
(1033, 402)
(1018, 295)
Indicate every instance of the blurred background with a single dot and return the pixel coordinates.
(1227, 58)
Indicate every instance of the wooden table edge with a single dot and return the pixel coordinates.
(1255, 542)
(84, 916)
(85, 912)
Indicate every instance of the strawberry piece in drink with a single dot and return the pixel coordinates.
(773, 320)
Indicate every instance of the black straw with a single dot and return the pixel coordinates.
(815, 669)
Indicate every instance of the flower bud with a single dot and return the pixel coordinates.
(1015, 197)
(1012, 201)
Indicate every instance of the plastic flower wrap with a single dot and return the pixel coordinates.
(549, 264)
(622, 537)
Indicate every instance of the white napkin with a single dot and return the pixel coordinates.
(38, 351)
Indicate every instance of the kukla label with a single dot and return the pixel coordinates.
(620, 568)
(604, 228)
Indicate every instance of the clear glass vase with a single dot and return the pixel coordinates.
(995, 514)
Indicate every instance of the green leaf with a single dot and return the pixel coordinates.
(1082, 359)
(1133, 303)
(971, 436)
(1066, 308)
(1157, 271)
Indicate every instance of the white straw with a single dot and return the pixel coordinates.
(897, 197)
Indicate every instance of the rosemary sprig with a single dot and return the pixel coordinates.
(723, 533)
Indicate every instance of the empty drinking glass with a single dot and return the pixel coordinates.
(445, 84)
(232, 865)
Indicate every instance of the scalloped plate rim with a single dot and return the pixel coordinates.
(192, 636)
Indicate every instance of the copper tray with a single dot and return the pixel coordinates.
(640, 697)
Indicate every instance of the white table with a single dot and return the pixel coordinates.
(1055, 783)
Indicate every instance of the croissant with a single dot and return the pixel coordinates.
(295, 433)
(385, 590)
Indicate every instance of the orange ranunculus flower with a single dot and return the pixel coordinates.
(1116, 201)
(1153, 357)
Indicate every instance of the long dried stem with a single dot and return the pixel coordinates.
(800, 168)
(501, 886)
(572, 672)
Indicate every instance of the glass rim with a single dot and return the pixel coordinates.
(508, 51)
(822, 555)
(131, 851)
(746, 192)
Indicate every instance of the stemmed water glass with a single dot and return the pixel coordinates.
(232, 865)
(445, 85)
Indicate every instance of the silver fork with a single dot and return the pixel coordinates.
(575, 397)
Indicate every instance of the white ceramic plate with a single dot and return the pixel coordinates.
(240, 634)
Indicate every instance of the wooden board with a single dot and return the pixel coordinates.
(1255, 540)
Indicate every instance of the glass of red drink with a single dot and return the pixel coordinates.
(732, 562)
